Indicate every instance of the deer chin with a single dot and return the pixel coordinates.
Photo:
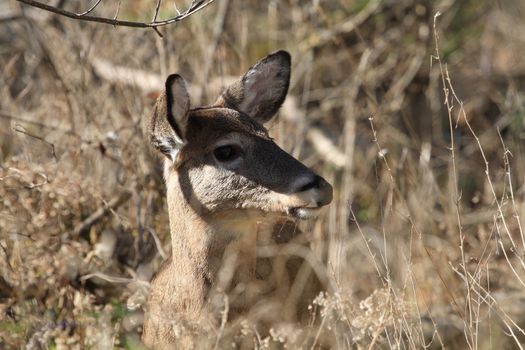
(304, 213)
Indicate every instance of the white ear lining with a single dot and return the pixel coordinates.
(179, 142)
(179, 103)
(174, 150)
(264, 86)
(169, 145)
(177, 109)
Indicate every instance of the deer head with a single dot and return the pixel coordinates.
(222, 158)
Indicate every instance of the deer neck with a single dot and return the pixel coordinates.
(203, 243)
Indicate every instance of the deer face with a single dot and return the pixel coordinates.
(222, 158)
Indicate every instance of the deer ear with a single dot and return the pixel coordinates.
(167, 126)
(262, 90)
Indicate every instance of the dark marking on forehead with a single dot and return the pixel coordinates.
(206, 125)
(225, 120)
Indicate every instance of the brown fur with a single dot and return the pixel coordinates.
(223, 213)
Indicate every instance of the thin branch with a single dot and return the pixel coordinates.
(8, 116)
(52, 146)
(449, 101)
(90, 9)
(176, 8)
(506, 160)
(217, 34)
(158, 243)
(117, 11)
(194, 7)
(157, 8)
(113, 204)
(113, 279)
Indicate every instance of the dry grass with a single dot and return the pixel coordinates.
(417, 120)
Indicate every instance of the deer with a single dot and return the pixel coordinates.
(231, 191)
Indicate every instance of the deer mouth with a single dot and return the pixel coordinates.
(304, 213)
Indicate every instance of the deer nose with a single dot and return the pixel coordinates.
(323, 190)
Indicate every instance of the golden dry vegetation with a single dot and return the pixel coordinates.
(417, 119)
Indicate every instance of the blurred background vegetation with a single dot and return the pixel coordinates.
(425, 246)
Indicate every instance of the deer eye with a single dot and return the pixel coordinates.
(227, 153)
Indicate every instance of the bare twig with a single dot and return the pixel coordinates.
(52, 146)
(29, 121)
(158, 243)
(212, 47)
(335, 248)
(118, 9)
(194, 7)
(113, 204)
(113, 279)
(506, 153)
(156, 10)
(91, 8)
(224, 319)
(449, 104)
